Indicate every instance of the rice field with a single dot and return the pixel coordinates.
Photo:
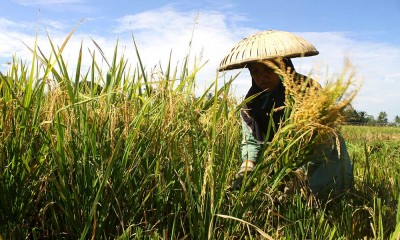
(142, 157)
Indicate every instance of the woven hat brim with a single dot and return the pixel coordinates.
(243, 64)
(266, 45)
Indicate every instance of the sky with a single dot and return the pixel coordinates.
(364, 32)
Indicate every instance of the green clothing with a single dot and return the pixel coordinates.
(250, 146)
(327, 171)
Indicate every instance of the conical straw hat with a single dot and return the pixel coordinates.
(266, 45)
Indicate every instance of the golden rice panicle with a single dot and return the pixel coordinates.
(312, 114)
(312, 104)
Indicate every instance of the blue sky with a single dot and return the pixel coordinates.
(366, 32)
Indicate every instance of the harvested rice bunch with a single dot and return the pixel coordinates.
(312, 114)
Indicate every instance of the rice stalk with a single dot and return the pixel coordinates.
(147, 158)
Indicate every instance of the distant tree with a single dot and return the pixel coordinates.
(353, 116)
(350, 115)
(382, 119)
(396, 121)
(370, 120)
(363, 117)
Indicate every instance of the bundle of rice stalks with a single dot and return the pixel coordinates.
(312, 118)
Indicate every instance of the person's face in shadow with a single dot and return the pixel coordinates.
(264, 76)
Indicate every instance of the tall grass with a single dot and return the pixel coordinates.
(376, 165)
(145, 158)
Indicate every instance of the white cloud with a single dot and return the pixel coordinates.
(54, 25)
(159, 31)
(17, 34)
(6, 24)
(376, 64)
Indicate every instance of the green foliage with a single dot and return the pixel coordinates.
(144, 158)
(355, 117)
(382, 119)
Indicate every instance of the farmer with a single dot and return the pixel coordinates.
(327, 171)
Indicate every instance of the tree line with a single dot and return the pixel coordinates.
(354, 117)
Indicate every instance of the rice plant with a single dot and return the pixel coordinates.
(122, 153)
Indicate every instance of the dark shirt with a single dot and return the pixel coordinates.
(258, 111)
